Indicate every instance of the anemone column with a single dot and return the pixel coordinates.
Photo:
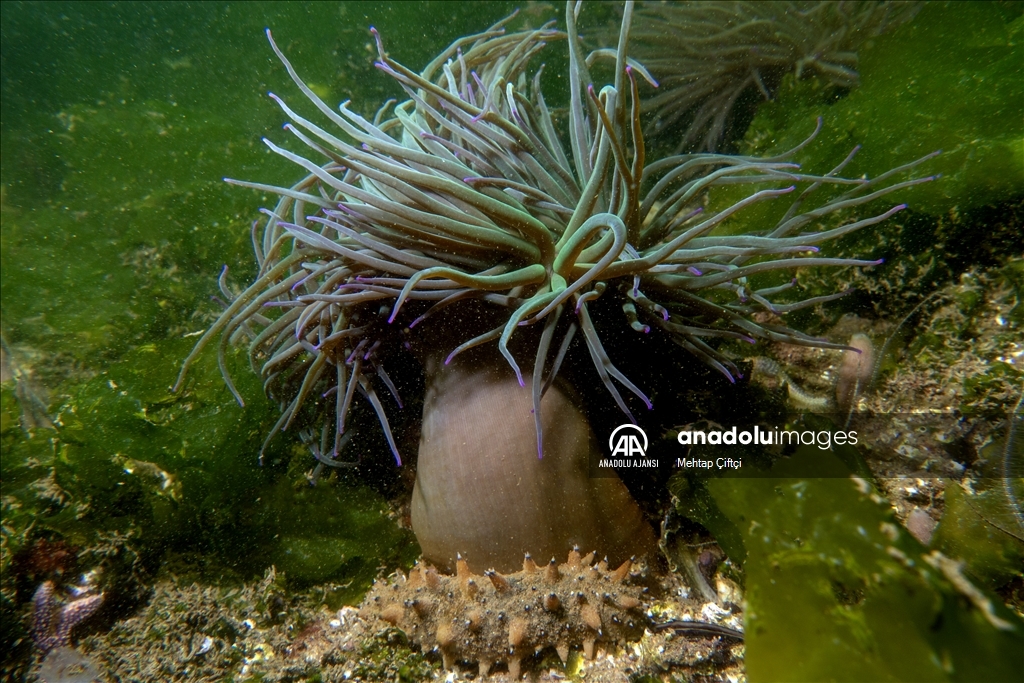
(482, 491)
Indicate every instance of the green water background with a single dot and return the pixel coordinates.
(119, 122)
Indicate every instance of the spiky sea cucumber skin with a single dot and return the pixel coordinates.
(497, 618)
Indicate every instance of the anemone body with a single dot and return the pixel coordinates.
(469, 192)
(481, 490)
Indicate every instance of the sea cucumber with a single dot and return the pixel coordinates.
(497, 618)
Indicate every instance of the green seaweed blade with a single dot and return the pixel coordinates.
(838, 591)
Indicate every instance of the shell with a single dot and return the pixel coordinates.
(493, 618)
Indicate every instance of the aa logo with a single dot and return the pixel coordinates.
(626, 440)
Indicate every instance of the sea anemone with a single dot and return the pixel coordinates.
(462, 207)
(707, 55)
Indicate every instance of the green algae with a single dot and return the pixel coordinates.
(951, 79)
(981, 529)
(982, 522)
(179, 474)
(837, 590)
(389, 656)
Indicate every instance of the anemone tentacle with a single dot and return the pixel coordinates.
(465, 191)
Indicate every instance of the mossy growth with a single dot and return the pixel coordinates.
(966, 354)
(388, 657)
(265, 630)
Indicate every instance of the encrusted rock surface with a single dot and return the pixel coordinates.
(493, 618)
